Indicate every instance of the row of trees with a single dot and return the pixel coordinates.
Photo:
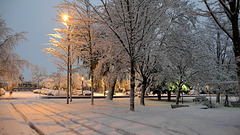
(55, 80)
(150, 42)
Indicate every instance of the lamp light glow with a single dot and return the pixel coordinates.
(65, 17)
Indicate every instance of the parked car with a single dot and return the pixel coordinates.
(2, 91)
(50, 92)
(46, 91)
(77, 92)
(127, 92)
(43, 90)
(106, 92)
(37, 91)
(87, 93)
(59, 93)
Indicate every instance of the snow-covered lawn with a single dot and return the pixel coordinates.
(54, 116)
(21, 95)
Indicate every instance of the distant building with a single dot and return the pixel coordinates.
(25, 86)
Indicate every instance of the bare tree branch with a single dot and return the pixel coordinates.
(217, 21)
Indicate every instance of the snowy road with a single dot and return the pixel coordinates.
(27, 114)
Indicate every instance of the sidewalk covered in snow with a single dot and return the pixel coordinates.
(54, 116)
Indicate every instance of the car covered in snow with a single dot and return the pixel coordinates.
(87, 93)
(43, 90)
(50, 92)
(46, 91)
(127, 92)
(2, 91)
(37, 91)
(77, 92)
(106, 93)
(59, 93)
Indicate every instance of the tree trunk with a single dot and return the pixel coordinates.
(169, 95)
(143, 91)
(92, 90)
(68, 68)
(218, 97)
(226, 103)
(132, 83)
(236, 38)
(238, 70)
(236, 48)
(104, 89)
(59, 82)
(159, 95)
(182, 97)
(111, 89)
(178, 95)
(70, 81)
(91, 76)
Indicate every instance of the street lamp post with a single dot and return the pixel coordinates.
(82, 83)
(65, 19)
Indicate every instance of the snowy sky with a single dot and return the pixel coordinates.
(36, 18)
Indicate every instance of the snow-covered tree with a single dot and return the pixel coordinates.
(220, 46)
(172, 15)
(58, 48)
(147, 69)
(229, 24)
(63, 47)
(187, 60)
(181, 53)
(86, 34)
(112, 66)
(55, 81)
(39, 74)
(129, 22)
(11, 64)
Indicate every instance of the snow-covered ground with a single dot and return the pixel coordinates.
(54, 116)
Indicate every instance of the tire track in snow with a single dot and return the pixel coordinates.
(61, 124)
(118, 130)
(166, 130)
(47, 115)
(31, 125)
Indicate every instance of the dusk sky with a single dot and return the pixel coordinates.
(36, 18)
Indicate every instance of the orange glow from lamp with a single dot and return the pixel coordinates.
(65, 17)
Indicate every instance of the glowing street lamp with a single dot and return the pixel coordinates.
(82, 83)
(82, 78)
(65, 17)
